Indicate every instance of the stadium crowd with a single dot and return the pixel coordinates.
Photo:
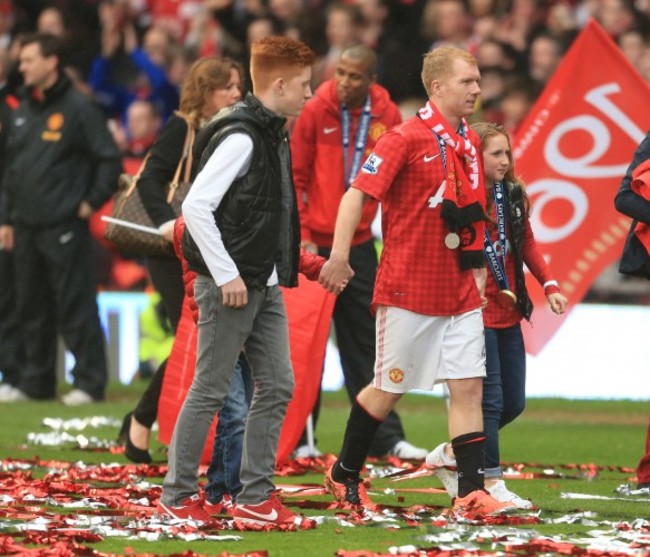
(122, 51)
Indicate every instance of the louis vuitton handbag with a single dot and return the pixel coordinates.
(142, 238)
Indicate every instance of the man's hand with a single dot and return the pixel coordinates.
(335, 274)
(235, 293)
(480, 276)
(7, 237)
(557, 302)
(337, 269)
(85, 210)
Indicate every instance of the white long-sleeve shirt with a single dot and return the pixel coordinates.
(230, 160)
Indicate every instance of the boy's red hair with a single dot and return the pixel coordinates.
(274, 57)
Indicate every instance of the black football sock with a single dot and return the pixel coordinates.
(469, 449)
(359, 434)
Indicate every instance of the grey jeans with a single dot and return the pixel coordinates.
(261, 329)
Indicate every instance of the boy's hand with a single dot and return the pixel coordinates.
(235, 293)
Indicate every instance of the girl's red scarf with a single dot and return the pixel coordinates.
(464, 188)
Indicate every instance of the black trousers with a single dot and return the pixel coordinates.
(167, 277)
(12, 353)
(355, 335)
(56, 293)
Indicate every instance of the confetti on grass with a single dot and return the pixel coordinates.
(65, 507)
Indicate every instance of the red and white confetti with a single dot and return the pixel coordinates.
(63, 507)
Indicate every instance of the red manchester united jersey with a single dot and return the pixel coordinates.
(417, 271)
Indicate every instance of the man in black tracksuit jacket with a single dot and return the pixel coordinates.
(61, 165)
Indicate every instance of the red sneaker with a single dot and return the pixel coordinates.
(480, 503)
(350, 494)
(191, 508)
(271, 511)
(225, 506)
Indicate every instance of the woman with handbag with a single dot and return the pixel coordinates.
(212, 84)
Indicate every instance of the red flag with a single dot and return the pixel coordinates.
(572, 150)
(309, 312)
(178, 379)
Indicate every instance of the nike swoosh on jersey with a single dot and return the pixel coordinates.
(429, 159)
(264, 516)
(327, 131)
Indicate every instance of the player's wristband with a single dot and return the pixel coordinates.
(551, 287)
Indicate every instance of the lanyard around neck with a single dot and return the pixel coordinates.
(498, 264)
(441, 145)
(350, 170)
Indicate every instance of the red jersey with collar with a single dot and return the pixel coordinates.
(317, 159)
(495, 316)
(417, 271)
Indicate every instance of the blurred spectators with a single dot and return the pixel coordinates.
(173, 16)
(634, 45)
(76, 57)
(74, 22)
(518, 99)
(142, 126)
(142, 48)
(561, 20)
(388, 30)
(447, 22)
(519, 23)
(6, 23)
(215, 33)
(289, 13)
(13, 76)
(492, 53)
(259, 28)
(343, 29)
(126, 71)
(545, 54)
(616, 16)
(5, 65)
(493, 87)
(644, 63)
(51, 21)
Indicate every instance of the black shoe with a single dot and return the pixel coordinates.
(124, 430)
(139, 456)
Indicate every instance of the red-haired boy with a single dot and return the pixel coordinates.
(243, 240)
